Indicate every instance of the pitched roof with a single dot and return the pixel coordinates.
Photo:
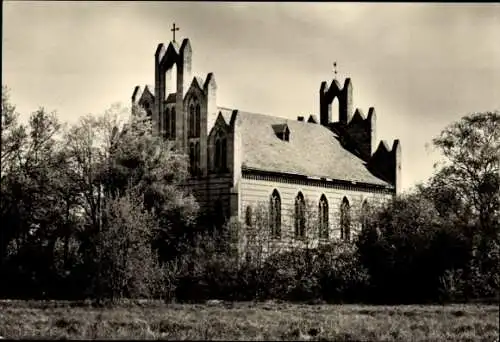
(312, 150)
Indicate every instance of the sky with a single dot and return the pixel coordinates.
(422, 66)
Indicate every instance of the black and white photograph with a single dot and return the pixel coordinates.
(298, 171)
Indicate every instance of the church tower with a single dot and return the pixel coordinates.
(183, 108)
(172, 76)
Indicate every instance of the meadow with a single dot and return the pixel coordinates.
(248, 321)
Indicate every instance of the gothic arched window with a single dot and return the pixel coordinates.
(275, 214)
(300, 216)
(217, 160)
(223, 152)
(323, 217)
(220, 157)
(345, 220)
(197, 122)
(191, 121)
(172, 124)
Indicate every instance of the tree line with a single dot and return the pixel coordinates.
(96, 210)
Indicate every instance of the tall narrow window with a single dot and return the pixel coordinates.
(220, 157)
(223, 152)
(275, 214)
(365, 211)
(172, 124)
(166, 124)
(191, 121)
(197, 127)
(300, 216)
(217, 155)
(323, 217)
(345, 220)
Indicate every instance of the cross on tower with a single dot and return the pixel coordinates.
(335, 68)
(173, 31)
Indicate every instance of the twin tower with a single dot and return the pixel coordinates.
(176, 93)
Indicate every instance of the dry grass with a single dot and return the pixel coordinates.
(249, 321)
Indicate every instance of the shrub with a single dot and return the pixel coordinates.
(407, 248)
(342, 276)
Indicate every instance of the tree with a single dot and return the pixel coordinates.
(112, 158)
(407, 248)
(65, 192)
(471, 148)
(11, 132)
(467, 184)
(127, 265)
(13, 135)
(34, 212)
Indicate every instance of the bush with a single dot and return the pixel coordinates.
(342, 276)
(407, 249)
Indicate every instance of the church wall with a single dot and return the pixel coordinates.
(208, 190)
(255, 192)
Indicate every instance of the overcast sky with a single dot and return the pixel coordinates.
(422, 66)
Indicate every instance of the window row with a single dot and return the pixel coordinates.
(167, 122)
(301, 216)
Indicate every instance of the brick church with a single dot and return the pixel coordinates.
(331, 166)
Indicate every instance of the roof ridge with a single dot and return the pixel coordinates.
(262, 114)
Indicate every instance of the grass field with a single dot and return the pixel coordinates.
(249, 321)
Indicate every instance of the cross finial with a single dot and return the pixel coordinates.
(173, 31)
(335, 68)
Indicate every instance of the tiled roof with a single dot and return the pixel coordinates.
(312, 150)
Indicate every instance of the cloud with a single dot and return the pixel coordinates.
(421, 66)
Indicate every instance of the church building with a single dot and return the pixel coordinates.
(328, 164)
